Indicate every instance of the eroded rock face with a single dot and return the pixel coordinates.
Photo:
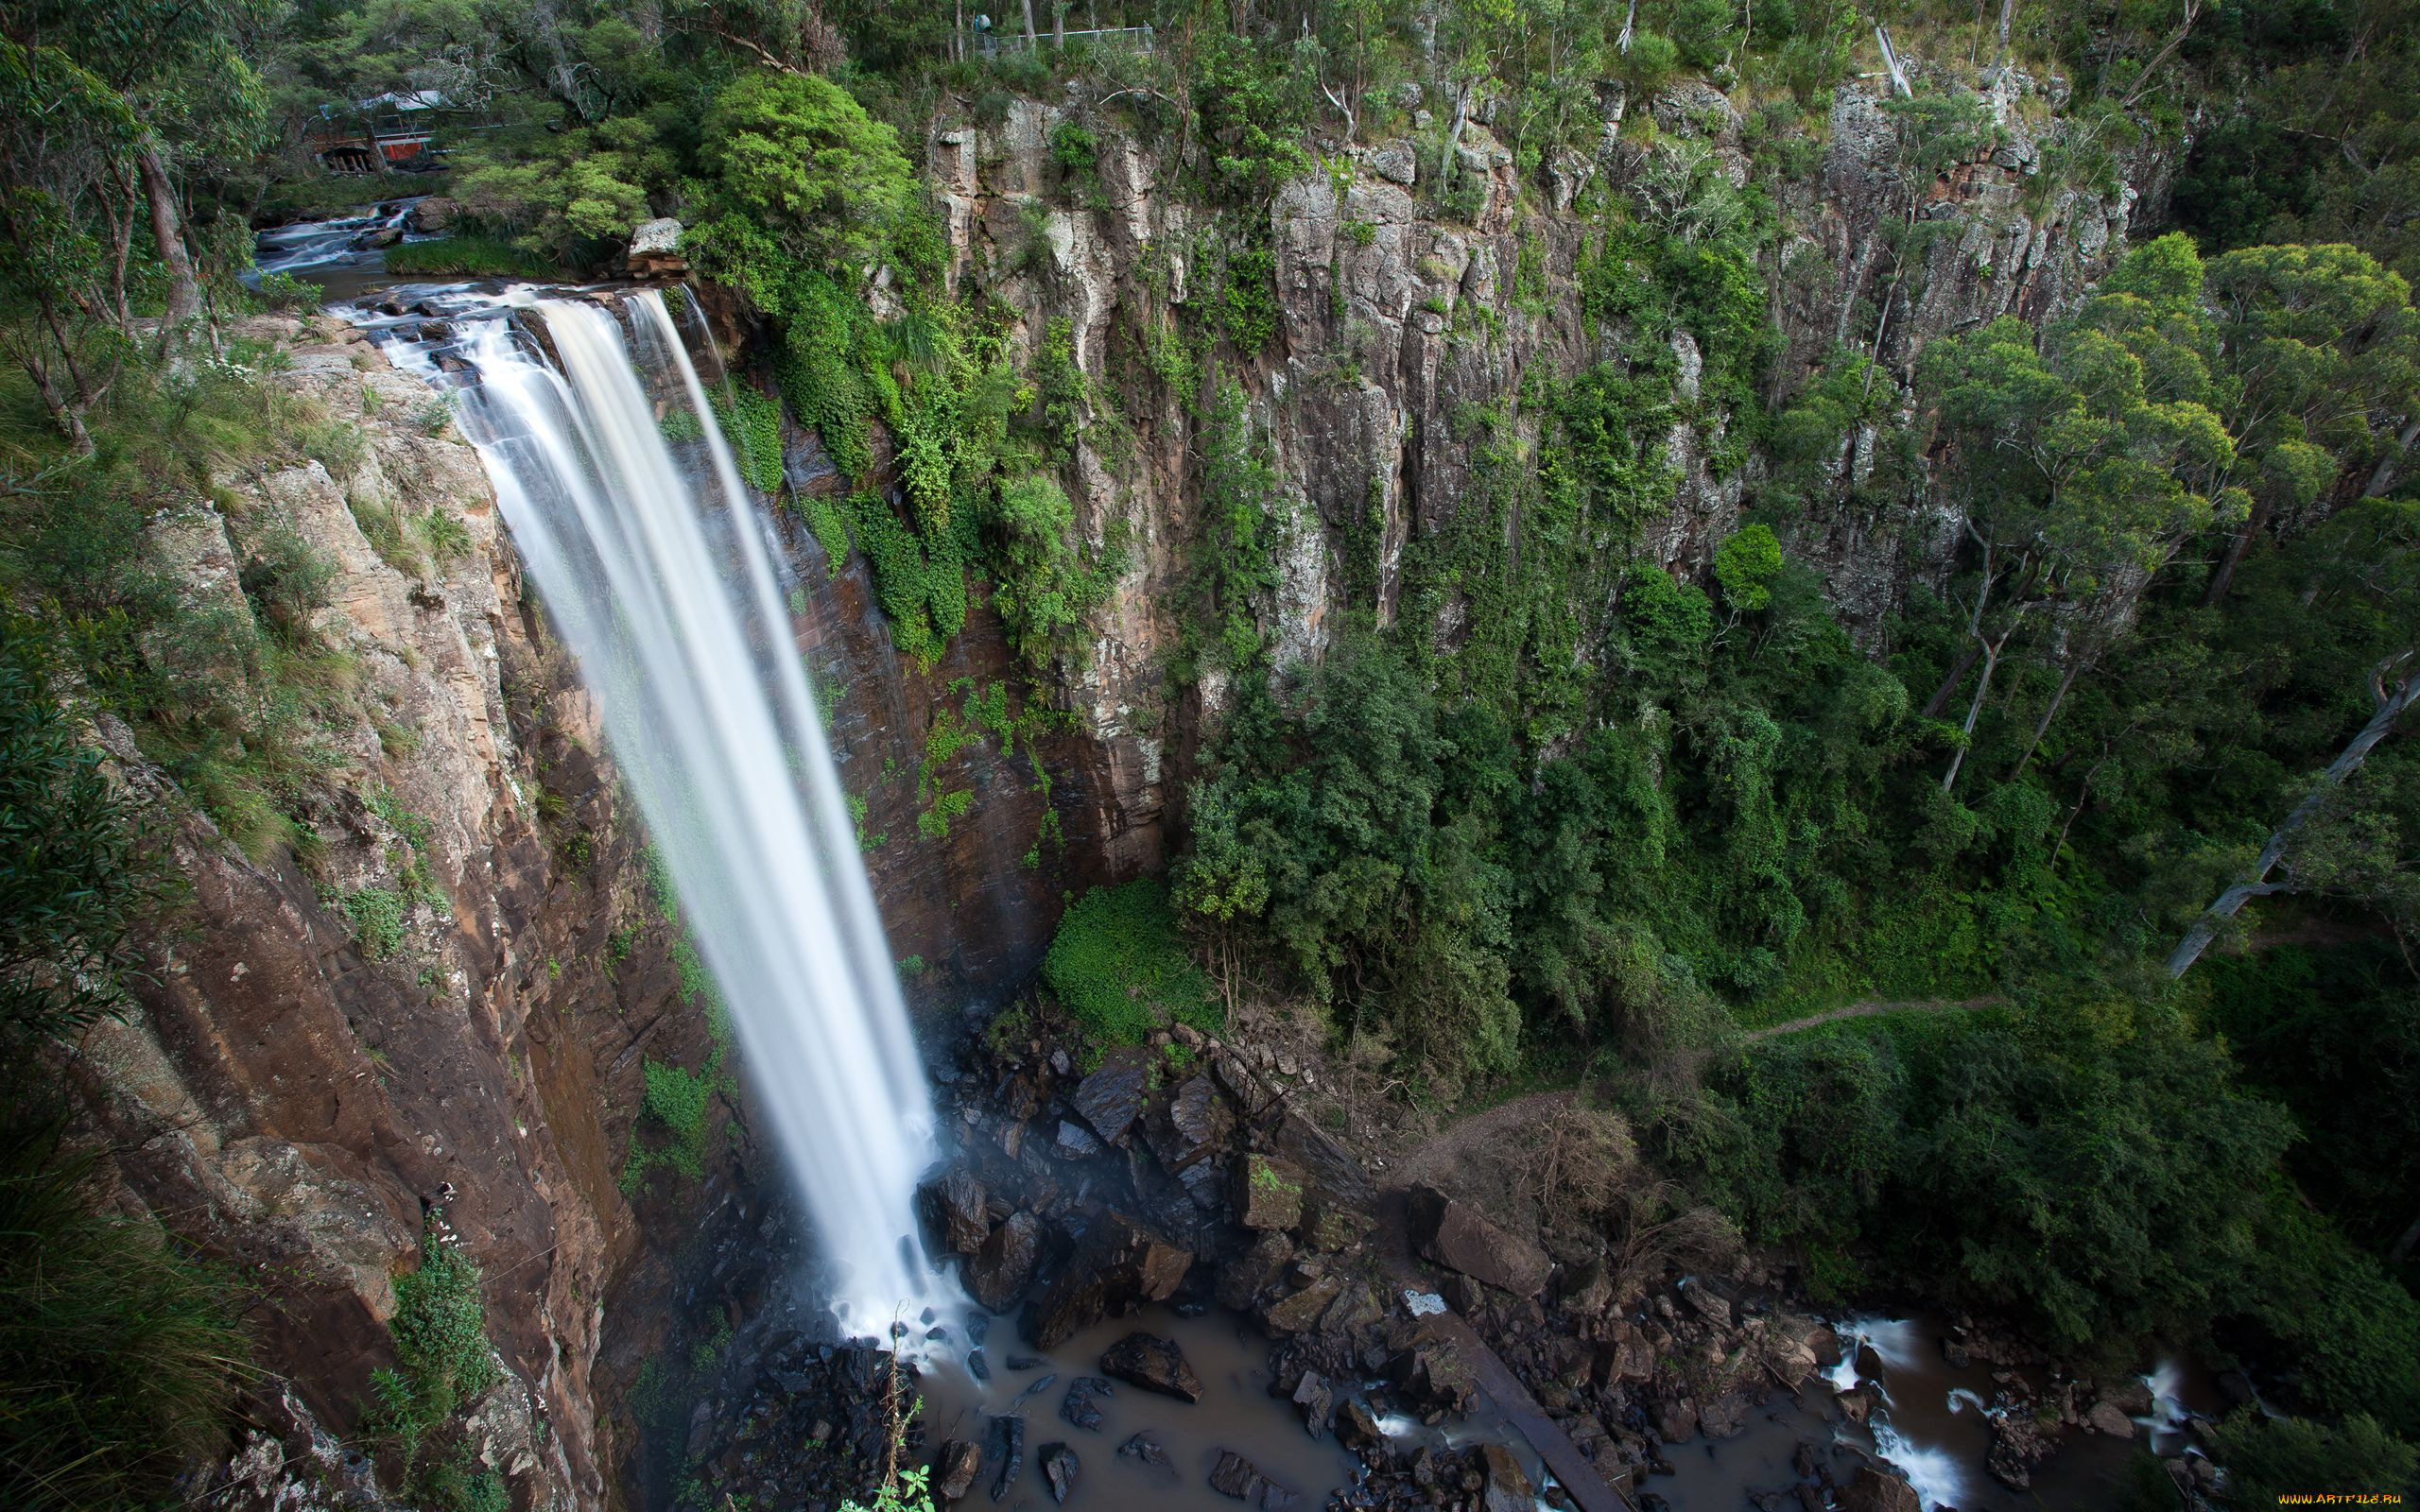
(292, 1097)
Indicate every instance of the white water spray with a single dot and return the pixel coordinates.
(661, 584)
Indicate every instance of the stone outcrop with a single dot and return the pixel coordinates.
(1458, 1237)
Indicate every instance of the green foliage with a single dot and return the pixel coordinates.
(1248, 300)
(1047, 585)
(752, 423)
(73, 877)
(119, 1353)
(2102, 1182)
(1746, 565)
(443, 1363)
(2271, 1461)
(802, 179)
(1118, 965)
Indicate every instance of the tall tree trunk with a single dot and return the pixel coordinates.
(2392, 700)
(1940, 700)
(1031, 35)
(167, 228)
(2237, 549)
(1629, 27)
(1891, 62)
(2008, 13)
(2075, 669)
(1974, 708)
(2382, 476)
(1059, 26)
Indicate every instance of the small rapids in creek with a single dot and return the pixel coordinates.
(654, 569)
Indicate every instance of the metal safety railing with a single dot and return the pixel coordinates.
(992, 42)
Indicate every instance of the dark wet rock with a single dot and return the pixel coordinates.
(1060, 1467)
(1077, 1143)
(1458, 1237)
(1302, 1311)
(1008, 1439)
(1726, 1415)
(1267, 1192)
(1316, 1399)
(979, 1325)
(1714, 1308)
(2018, 1444)
(1154, 1364)
(953, 1210)
(1238, 1477)
(1146, 1450)
(1856, 1406)
(1003, 1268)
(1875, 1490)
(1111, 1098)
(954, 1468)
(1357, 1426)
(1434, 1370)
(1026, 1362)
(978, 1366)
(1205, 1184)
(1198, 1122)
(1242, 1279)
(1676, 1421)
(1032, 1391)
(1077, 1408)
(1650, 1502)
(1507, 1489)
(1120, 1265)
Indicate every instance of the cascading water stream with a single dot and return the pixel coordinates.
(657, 576)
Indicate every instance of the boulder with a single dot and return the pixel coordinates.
(1395, 161)
(954, 1468)
(1003, 1267)
(1119, 1266)
(1243, 1279)
(1857, 1406)
(1008, 1436)
(1357, 1426)
(1313, 1395)
(1624, 1356)
(1676, 1421)
(1153, 1364)
(1267, 1193)
(1198, 1124)
(1456, 1236)
(1876, 1490)
(1145, 1450)
(1238, 1477)
(1726, 1416)
(1059, 1467)
(1300, 1312)
(1078, 1409)
(433, 214)
(953, 1207)
(1507, 1489)
(2108, 1417)
(1111, 1098)
(1714, 1309)
(1075, 1141)
(655, 251)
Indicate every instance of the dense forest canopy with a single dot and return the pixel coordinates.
(1555, 810)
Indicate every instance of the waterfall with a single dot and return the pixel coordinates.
(659, 580)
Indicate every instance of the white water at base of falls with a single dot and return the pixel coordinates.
(657, 576)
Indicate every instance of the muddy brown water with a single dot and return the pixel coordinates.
(1236, 1412)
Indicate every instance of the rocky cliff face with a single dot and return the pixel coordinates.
(1397, 316)
(439, 1014)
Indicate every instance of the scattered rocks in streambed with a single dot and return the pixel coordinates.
(804, 1424)
(1153, 1364)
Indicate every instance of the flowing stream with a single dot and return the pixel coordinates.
(654, 571)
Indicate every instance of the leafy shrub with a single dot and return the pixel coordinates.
(120, 1356)
(468, 254)
(1118, 965)
(443, 1363)
(73, 877)
(752, 423)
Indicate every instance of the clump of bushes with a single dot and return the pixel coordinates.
(1118, 965)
